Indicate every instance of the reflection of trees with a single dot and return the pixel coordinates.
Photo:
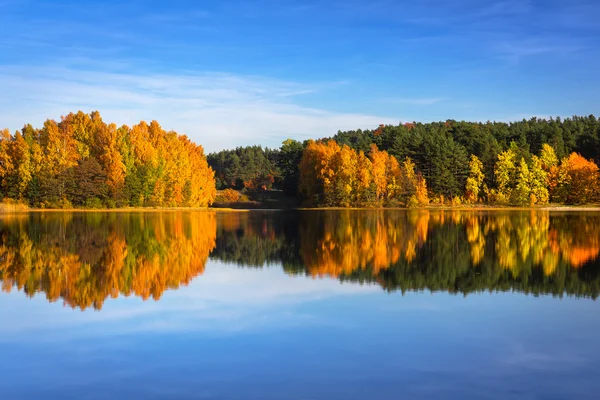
(258, 238)
(85, 258)
(537, 240)
(456, 251)
(339, 242)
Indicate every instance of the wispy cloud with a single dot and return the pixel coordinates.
(519, 356)
(514, 51)
(414, 101)
(218, 110)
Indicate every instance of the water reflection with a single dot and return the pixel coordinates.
(456, 251)
(86, 258)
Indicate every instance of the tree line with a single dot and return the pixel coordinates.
(83, 161)
(528, 162)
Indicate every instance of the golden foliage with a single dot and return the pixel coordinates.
(578, 181)
(373, 241)
(521, 237)
(139, 166)
(334, 175)
(143, 255)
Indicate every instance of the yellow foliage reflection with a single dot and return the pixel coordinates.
(534, 236)
(344, 241)
(86, 258)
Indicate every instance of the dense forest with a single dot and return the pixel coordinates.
(528, 162)
(83, 161)
(85, 258)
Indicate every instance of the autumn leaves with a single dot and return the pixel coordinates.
(541, 180)
(338, 176)
(82, 161)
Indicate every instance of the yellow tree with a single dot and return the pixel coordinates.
(344, 163)
(22, 168)
(394, 179)
(522, 191)
(474, 180)
(421, 190)
(505, 172)
(6, 163)
(364, 177)
(413, 187)
(379, 161)
(549, 163)
(538, 182)
(60, 148)
(110, 158)
(202, 189)
(317, 173)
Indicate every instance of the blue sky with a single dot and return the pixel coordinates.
(231, 73)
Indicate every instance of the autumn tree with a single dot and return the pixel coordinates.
(538, 182)
(379, 172)
(521, 193)
(578, 180)
(505, 172)
(334, 175)
(6, 163)
(475, 179)
(81, 159)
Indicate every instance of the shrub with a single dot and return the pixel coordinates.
(230, 195)
(93, 202)
(12, 205)
(412, 202)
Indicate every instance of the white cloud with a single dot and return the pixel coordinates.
(214, 109)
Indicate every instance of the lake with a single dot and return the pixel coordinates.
(300, 305)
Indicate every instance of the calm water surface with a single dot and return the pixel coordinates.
(304, 305)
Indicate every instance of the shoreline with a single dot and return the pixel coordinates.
(121, 210)
(587, 208)
(461, 208)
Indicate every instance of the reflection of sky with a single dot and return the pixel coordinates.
(258, 333)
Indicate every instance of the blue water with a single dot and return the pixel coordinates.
(317, 305)
(261, 334)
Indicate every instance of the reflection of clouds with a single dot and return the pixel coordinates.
(230, 284)
(560, 358)
(225, 299)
